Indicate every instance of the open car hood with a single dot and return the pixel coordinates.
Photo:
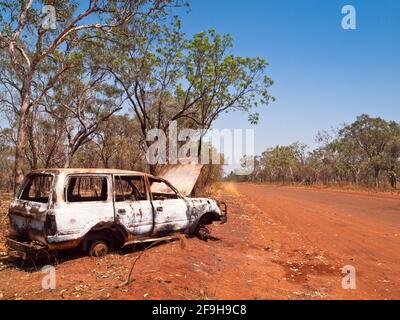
(182, 176)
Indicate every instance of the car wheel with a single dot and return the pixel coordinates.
(203, 233)
(98, 249)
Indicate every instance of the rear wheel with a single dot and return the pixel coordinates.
(98, 249)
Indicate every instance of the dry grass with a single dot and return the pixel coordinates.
(384, 191)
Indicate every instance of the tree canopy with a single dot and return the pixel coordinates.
(366, 152)
(63, 89)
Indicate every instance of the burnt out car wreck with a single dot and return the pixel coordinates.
(100, 209)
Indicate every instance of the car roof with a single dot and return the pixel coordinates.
(88, 171)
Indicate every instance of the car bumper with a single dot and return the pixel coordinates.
(25, 249)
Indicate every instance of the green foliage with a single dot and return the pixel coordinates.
(225, 82)
(366, 151)
(281, 162)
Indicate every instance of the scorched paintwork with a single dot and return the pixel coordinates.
(55, 223)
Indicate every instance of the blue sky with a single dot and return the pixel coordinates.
(324, 75)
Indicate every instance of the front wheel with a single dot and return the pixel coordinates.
(98, 249)
(203, 233)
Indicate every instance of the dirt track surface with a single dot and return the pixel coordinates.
(279, 243)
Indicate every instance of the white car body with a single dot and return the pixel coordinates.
(59, 209)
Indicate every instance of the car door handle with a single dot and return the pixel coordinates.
(160, 209)
(121, 211)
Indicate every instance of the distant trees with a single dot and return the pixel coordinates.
(365, 152)
(6, 159)
(280, 163)
(80, 104)
(117, 144)
(373, 139)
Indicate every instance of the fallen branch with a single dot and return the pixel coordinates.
(182, 240)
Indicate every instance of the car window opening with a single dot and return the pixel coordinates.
(130, 188)
(37, 189)
(161, 190)
(87, 189)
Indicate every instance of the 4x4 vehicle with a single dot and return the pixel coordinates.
(98, 209)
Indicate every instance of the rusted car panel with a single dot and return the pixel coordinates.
(182, 176)
(60, 209)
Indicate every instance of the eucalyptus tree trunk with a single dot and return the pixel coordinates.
(22, 137)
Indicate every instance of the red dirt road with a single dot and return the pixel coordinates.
(362, 230)
(279, 243)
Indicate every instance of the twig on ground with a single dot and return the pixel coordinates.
(182, 239)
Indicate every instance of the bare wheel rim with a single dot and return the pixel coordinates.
(203, 232)
(99, 249)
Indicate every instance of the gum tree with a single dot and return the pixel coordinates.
(224, 81)
(30, 46)
(168, 77)
(373, 136)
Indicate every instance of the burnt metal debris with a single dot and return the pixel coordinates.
(97, 209)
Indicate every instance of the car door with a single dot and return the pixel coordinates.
(133, 208)
(170, 209)
(88, 201)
